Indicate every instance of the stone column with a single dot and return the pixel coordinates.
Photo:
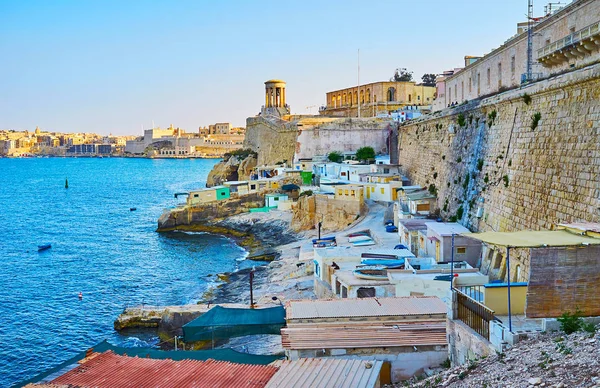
(283, 96)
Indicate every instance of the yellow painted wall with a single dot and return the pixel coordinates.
(496, 298)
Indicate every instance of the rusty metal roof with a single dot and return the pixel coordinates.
(365, 307)
(326, 373)
(365, 335)
(111, 370)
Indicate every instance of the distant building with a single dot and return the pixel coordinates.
(377, 97)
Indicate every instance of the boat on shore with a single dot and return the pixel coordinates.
(44, 247)
(371, 272)
(388, 263)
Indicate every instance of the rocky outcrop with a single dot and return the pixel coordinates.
(197, 217)
(334, 214)
(232, 168)
(546, 360)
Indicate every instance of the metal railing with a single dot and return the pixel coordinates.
(473, 292)
(592, 29)
(474, 314)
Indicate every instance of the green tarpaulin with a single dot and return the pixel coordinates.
(220, 322)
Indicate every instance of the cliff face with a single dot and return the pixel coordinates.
(233, 168)
(334, 214)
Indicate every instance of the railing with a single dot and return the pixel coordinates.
(575, 37)
(473, 292)
(474, 314)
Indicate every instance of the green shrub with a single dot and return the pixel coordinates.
(335, 157)
(443, 157)
(535, 120)
(505, 179)
(459, 213)
(307, 193)
(432, 189)
(588, 327)
(446, 364)
(466, 183)
(526, 98)
(570, 322)
(461, 120)
(240, 154)
(459, 160)
(492, 117)
(365, 153)
(435, 175)
(486, 178)
(479, 164)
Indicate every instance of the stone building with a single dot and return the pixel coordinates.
(566, 39)
(377, 97)
(278, 136)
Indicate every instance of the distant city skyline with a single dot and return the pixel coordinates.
(116, 67)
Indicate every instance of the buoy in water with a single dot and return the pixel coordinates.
(80, 295)
(66, 183)
(132, 209)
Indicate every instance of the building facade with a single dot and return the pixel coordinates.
(566, 39)
(375, 98)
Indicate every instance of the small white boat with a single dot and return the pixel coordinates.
(371, 272)
(361, 237)
(363, 243)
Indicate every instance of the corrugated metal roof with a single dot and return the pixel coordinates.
(326, 373)
(396, 334)
(534, 239)
(364, 307)
(110, 370)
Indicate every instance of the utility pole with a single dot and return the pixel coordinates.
(251, 294)
(358, 86)
(529, 40)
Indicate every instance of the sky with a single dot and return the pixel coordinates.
(118, 66)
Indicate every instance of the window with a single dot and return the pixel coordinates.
(512, 65)
(372, 189)
(317, 269)
(469, 85)
(352, 192)
(344, 292)
(365, 292)
(499, 75)
(275, 198)
(461, 250)
(195, 195)
(418, 98)
(423, 207)
(386, 170)
(252, 187)
(382, 190)
(409, 98)
(346, 192)
(489, 79)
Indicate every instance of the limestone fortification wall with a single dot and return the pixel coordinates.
(344, 135)
(273, 141)
(335, 214)
(490, 154)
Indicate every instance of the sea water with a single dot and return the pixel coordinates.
(112, 255)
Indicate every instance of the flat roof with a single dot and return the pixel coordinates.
(534, 239)
(326, 373)
(582, 226)
(447, 228)
(235, 183)
(424, 194)
(414, 223)
(347, 277)
(365, 307)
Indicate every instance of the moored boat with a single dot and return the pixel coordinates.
(388, 263)
(44, 247)
(371, 272)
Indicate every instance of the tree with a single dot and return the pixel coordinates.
(365, 153)
(402, 75)
(428, 79)
(335, 157)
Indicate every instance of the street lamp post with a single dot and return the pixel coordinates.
(320, 224)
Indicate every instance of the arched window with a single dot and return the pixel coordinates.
(344, 99)
(333, 101)
(339, 101)
(391, 94)
(362, 96)
(355, 100)
(368, 95)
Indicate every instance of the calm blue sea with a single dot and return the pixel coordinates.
(99, 247)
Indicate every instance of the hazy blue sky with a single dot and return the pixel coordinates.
(113, 66)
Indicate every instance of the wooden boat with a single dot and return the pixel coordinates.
(388, 263)
(362, 237)
(360, 233)
(324, 243)
(371, 272)
(332, 238)
(44, 247)
(363, 243)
